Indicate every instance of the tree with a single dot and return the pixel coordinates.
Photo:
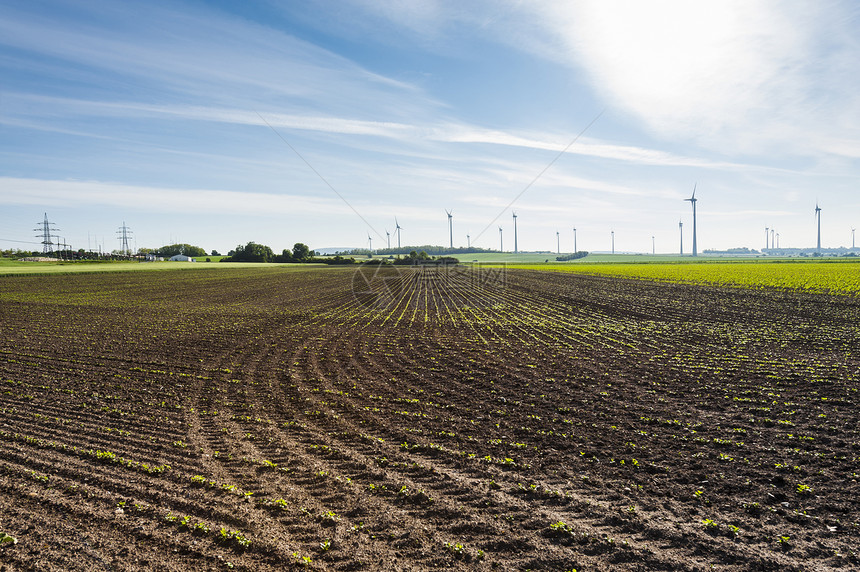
(284, 256)
(252, 252)
(301, 252)
(415, 257)
(186, 249)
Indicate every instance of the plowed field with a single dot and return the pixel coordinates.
(271, 418)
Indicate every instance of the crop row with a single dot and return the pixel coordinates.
(435, 416)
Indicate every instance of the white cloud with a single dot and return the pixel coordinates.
(675, 63)
(762, 78)
(19, 191)
(734, 75)
(73, 193)
(166, 53)
(442, 132)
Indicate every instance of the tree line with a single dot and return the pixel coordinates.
(300, 253)
(253, 252)
(573, 256)
(429, 249)
(174, 249)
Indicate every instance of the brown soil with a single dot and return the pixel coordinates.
(263, 419)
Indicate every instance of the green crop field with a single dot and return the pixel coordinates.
(814, 275)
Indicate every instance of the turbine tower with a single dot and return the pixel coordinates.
(612, 233)
(369, 243)
(501, 244)
(766, 230)
(451, 227)
(818, 217)
(388, 238)
(681, 232)
(852, 237)
(397, 229)
(574, 241)
(653, 245)
(557, 243)
(468, 241)
(693, 200)
(515, 231)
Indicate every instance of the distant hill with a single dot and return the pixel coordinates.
(332, 249)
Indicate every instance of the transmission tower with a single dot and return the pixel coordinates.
(124, 233)
(46, 233)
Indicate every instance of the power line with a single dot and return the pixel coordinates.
(21, 241)
(539, 175)
(317, 173)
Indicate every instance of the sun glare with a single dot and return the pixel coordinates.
(675, 61)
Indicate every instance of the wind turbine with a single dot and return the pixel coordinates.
(818, 217)
(515, 230)
(693, 200)
(397, 229)
(369, 243)
(469, 241)
(773, 237)
(852, 237)
(451, 227)
(777, 240)
(766, 230)
(501, 244)
(574, 241)
(653, 245)
(613, 241)
(388, 238)
(681, 232)
(557, 243)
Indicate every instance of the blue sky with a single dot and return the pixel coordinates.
(218, 123)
